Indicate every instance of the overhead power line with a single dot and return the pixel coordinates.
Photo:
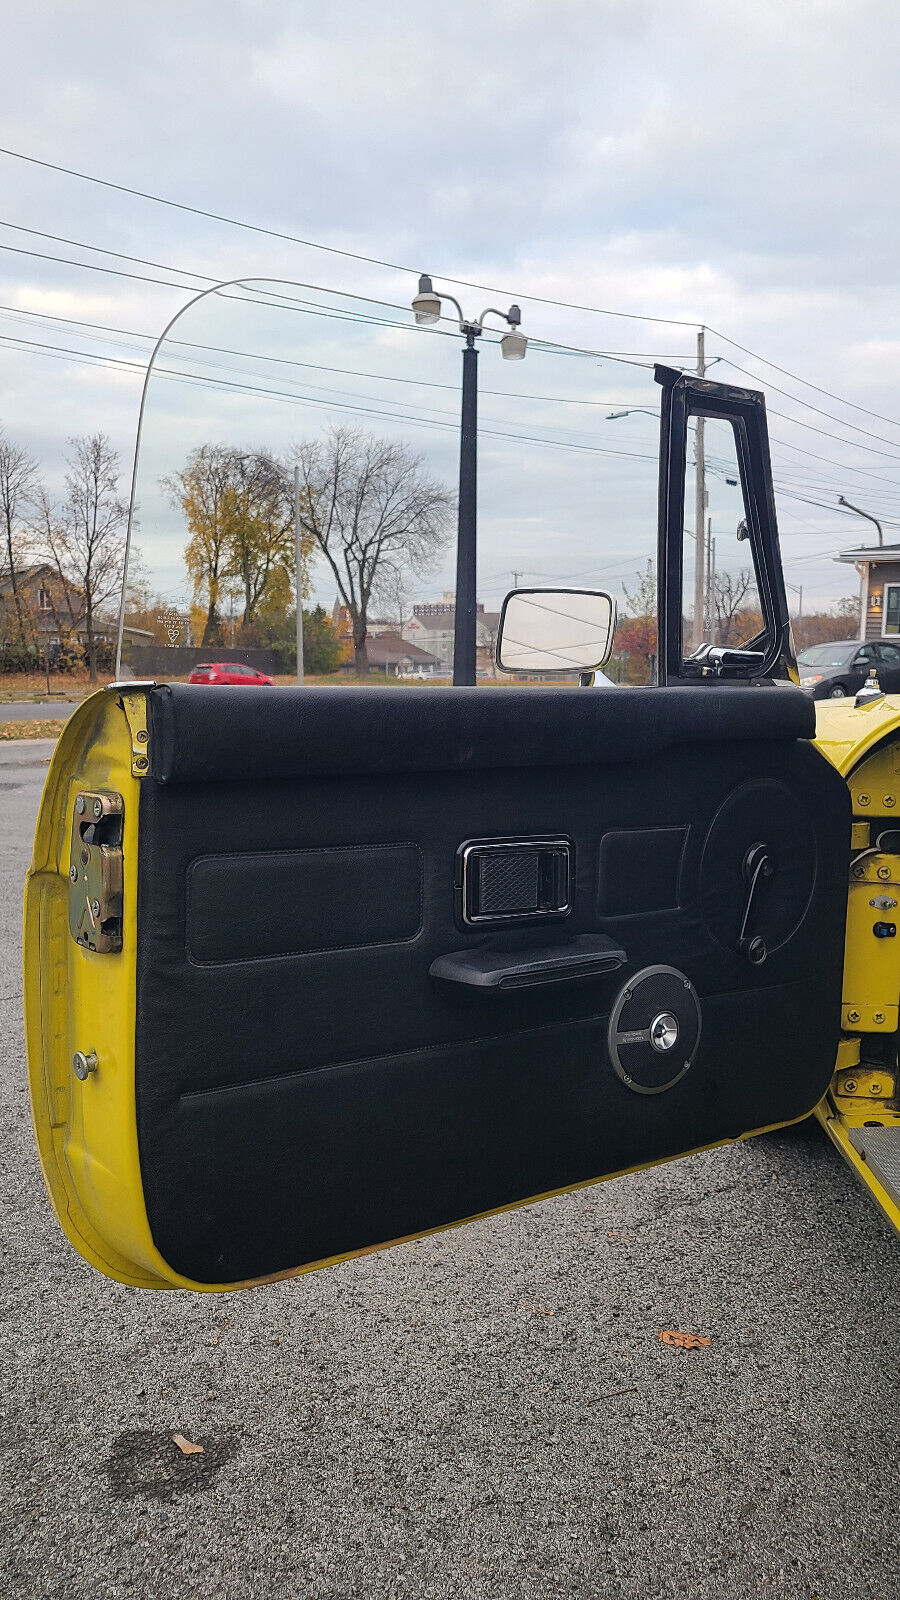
(78, 244)
(795, 378)
(328, 249)
(394, 266)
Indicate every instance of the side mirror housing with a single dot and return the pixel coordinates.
(555, 630)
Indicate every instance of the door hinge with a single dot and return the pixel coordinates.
(95, 871)
(134, 706)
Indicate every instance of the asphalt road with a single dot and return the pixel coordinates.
(486, 1415)
(28, 711)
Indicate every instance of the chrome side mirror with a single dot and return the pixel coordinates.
(555, 630)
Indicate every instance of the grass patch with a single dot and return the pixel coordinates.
(35, 728)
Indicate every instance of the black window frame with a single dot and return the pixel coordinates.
(685, 396)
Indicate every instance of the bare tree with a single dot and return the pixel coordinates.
(85, 539)
(18, 486)
(641, 601)
(730, 590)
(373, 514)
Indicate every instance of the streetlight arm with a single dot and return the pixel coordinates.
(459, 309)
(860, 513)
(493, 312)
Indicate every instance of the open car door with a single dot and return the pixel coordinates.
(309, 972)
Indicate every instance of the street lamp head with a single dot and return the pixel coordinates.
(513, 345)
(426, 304)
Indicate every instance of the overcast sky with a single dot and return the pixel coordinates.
(734, 165)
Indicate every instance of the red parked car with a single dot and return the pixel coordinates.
(227, 672)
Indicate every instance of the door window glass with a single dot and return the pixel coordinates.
(721, 596)
(892, 608)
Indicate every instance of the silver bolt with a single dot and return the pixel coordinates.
(95, 907)
(98, 808)
(626, 994)
(79, 804)
(73, 874)
(83, 1064)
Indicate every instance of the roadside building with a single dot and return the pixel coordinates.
(431, 626)
(879, 581)
(44, 614)
(396, 658)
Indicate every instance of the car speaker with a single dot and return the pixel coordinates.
(654, 1029)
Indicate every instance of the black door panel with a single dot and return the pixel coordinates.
(306, 1089)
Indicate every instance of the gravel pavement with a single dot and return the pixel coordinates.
(485, 1415)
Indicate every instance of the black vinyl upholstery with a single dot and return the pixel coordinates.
(305, 1089)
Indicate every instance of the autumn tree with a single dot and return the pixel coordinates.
(823, 627)
(636, 638)
(18, 486)
(373, 514)
(203, 490)
(238, 507)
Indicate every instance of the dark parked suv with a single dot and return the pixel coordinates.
(829, 671)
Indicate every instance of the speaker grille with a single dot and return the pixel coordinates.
(654, 1029)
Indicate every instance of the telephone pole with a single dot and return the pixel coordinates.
(699, 505)
(299, 576)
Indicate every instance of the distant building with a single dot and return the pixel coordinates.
(396, 657)
(52, 612)
(431, 626)
(879, 574)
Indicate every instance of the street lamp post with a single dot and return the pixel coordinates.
(427, 307)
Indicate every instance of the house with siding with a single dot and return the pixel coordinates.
(879, 580)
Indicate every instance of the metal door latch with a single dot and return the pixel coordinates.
(95, 871)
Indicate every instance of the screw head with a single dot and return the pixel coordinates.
(84, 1063)
(141, 763)
(863, 799)
(859, 872)
(877, 1016)
(888, 801)
(142, 736)
(95, 907)
(884, 873)
(73, 874)
(853, 1016)
(79, 804)
(626, 994)
(98, 808)
(849, 1085)
(876, 1088)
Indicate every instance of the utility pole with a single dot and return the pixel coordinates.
(515, 578)
(299, 576)
(699, 504)
(710, 580)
